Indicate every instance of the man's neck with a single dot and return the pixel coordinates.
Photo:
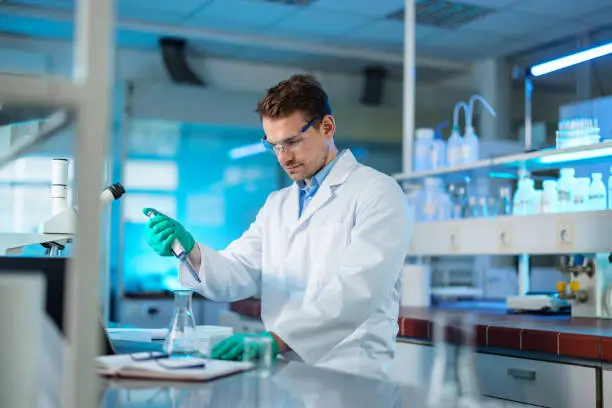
(332, 154)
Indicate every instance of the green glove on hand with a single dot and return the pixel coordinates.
(232, 348)
(163, 230)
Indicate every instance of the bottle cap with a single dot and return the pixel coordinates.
(424, 134)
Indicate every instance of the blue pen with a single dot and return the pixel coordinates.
(179, 252)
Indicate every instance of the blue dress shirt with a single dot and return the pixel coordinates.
(307, 192)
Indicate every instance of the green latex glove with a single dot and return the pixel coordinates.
(163, 230)
(232, 348)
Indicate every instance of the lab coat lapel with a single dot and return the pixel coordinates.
(338, 174)
(291, 208)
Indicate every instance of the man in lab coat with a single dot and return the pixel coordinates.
(325, 254)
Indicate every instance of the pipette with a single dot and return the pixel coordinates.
(179, 252)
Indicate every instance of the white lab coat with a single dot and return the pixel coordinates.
(330, 279)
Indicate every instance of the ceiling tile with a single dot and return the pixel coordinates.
(298, 35)
(422, 31)
(224, 26)
(596, 18)
(490, 3)
(249, 12)
(369, 45)
(556, 32)
(468, 44)
(509, 23)
(560, 8)
(369, 8)
(381, 30)
(173, 6)
(320, 24)
(63, 4)
(150, 15)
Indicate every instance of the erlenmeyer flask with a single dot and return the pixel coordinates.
(454, 382)
(181, 338)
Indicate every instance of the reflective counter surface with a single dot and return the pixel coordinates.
(290, 384)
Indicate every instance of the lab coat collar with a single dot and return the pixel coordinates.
(338, 175)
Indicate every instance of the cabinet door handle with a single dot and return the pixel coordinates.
(522, 374)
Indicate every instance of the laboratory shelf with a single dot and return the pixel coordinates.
(449, 173)
(554, 158)
(539, 160)
(585, 232)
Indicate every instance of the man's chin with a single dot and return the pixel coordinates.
(296, 177)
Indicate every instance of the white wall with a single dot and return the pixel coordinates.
(234, 88)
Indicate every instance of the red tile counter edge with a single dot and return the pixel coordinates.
(584, 346)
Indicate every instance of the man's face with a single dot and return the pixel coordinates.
(301, 154)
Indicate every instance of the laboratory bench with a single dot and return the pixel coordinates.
(290, 384)
(550, 361)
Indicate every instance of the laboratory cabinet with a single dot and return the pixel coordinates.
(524, 381)
(542, 383)
(412, 364)
(606, 387)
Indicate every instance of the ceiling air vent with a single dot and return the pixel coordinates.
(444, 14)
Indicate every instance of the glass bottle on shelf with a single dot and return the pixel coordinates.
(181, 340)
(505, 201)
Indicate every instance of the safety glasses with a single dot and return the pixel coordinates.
(293, 143)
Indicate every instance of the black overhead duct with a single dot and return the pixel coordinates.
(11, 114)
(173, 53)
(374, 86)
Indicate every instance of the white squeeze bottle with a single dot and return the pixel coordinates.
(471, 144)
(422, 149)
(597, 194)
(565, 188)
(454, 145)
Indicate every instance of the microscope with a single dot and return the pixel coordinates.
(59, 230)
(589, 280)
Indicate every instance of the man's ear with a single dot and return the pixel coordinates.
(328, 126)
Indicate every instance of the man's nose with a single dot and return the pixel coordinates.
(284, 157)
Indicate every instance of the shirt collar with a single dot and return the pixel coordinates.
(318, 178)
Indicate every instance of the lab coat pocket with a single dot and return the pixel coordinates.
(326, 244)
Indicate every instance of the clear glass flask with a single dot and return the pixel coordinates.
(454, 381)
(181, 340)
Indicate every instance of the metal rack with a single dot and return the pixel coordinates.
(87, 96)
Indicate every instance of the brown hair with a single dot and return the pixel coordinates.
(299, 93)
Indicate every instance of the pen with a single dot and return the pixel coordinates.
(180, 253)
